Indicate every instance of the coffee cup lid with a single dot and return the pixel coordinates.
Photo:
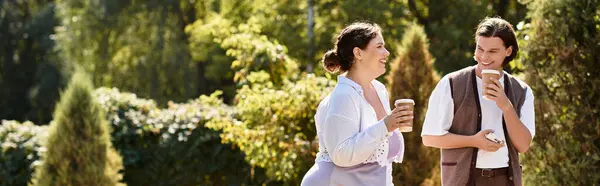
(488, 71)
(405, 101)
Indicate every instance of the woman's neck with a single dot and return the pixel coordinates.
(361, 78)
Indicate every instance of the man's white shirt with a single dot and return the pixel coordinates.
(440, 114)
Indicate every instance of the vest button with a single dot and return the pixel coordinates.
(510, 178)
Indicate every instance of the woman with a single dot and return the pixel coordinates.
(356, 128)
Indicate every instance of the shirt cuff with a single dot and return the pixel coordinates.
(381, 131)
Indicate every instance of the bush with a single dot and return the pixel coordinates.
(79, 147)
(560, 60)
(19, 151)
(275, 127)
(171, 146)
(159, 147)
(413, 76)
(251, 49)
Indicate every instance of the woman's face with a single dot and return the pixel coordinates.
(374, 57)
(490, 53)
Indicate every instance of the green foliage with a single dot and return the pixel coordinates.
(79, 147)
(171, 146)
(142, 42)
(285, 23)
(560, 60)
(413, 76)
(20, 148)
(158, 146)
(274, 126)
(251, 50)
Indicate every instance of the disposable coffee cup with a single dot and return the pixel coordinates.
(485, 80)
(411, 104)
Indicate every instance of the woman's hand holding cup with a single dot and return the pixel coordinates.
(402, 116)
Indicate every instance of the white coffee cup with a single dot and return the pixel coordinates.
(411, 104)
(485, 80)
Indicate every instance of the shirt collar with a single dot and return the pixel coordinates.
(344, 80)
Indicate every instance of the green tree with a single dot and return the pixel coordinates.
(138, 46)
(251, 50)
(30, 75)
(287, 23)
(560, 60)
(413, 76)
(79, 150)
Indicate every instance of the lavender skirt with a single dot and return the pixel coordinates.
(327, 173)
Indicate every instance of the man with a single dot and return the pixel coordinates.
(460, 116)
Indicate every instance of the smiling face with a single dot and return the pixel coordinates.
(490, 53)
(373, 58)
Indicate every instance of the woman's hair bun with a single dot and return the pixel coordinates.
(331, 61)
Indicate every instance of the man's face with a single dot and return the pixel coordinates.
(490, 52)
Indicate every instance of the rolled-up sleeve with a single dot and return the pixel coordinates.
(440, 110)
(342, 139)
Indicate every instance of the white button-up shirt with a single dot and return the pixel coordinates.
(349, 130)
(438, 120)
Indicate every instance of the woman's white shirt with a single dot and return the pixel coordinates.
(348, 129)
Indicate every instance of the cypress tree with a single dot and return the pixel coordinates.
(413, 76)
(79, 150)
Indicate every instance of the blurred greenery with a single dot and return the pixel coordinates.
(274, 126)
(413, 76)
(168, 146)
(31, 73)
(560, 58)
(230, 87)
(159, 146)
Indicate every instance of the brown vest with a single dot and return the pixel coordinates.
(458, 164)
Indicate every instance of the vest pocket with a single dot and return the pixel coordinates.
(455, 166)
(451, 174)
(449, 163)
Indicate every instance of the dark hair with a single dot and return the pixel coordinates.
(358, 34)
(498, 27)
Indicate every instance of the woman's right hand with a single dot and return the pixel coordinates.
(400, 116)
